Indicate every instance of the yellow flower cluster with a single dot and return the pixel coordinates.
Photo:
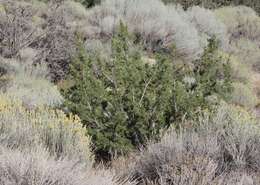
(60, 134)
(235, 114)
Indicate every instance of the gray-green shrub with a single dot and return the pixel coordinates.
(212, 4)
(37, 167)
(223, 149)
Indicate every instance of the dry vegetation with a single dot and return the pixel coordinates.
(43, 143)
(222, 150)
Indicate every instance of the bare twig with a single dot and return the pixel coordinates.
(145, 88)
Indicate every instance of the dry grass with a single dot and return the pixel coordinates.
(221, 150)
(37, 167)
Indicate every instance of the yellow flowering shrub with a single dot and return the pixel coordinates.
(61, 135)
(235, 116)
(240, 71)
(244, 95)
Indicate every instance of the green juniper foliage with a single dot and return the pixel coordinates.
(124, 102)
(212, 73)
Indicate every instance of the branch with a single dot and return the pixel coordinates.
(145, 88)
